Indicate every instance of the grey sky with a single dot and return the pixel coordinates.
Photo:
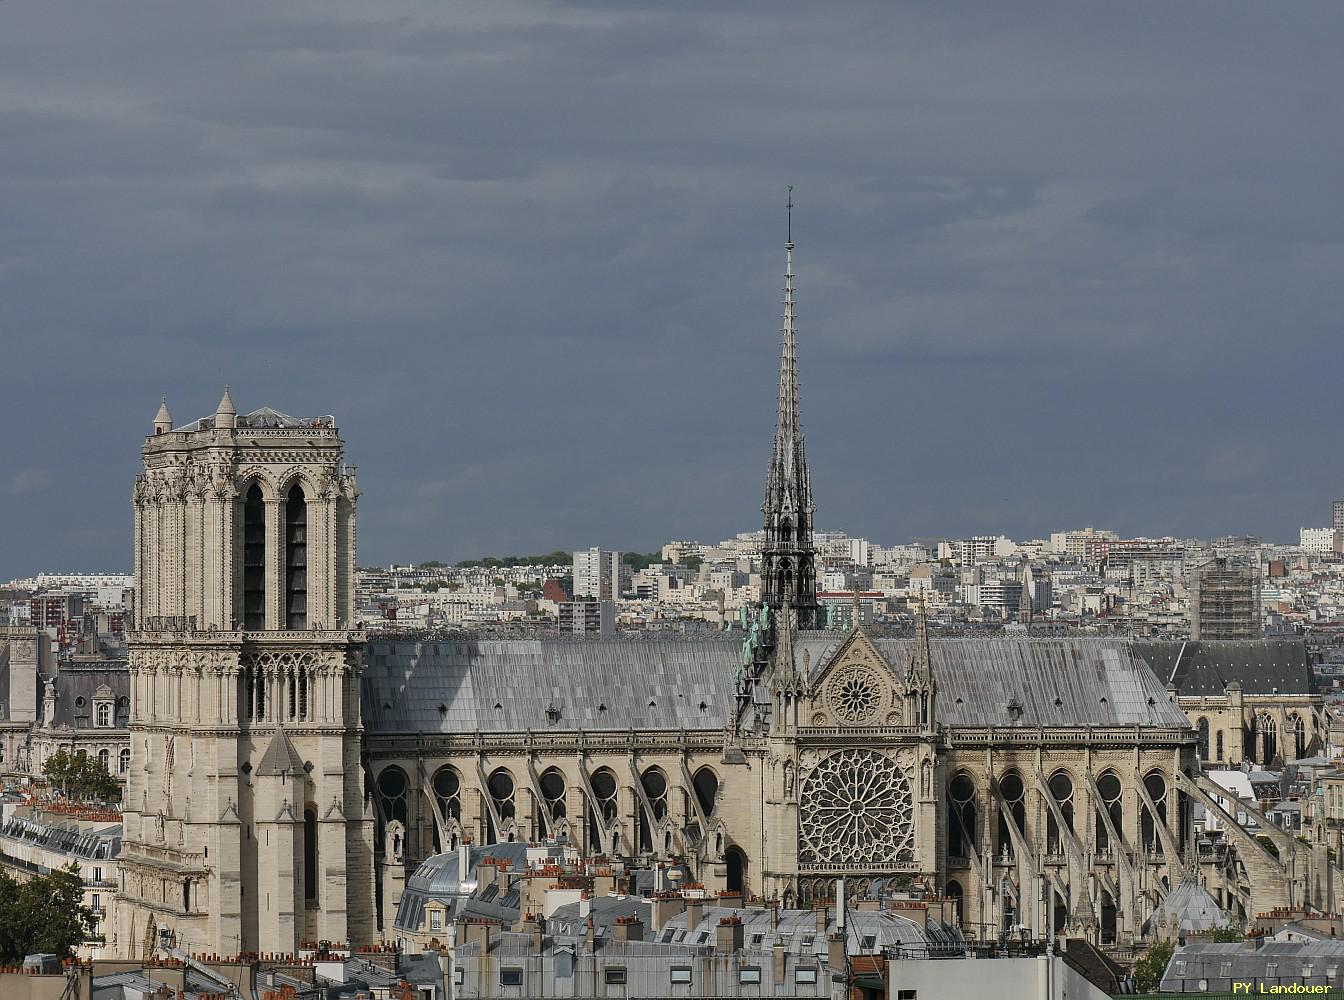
(1058, 263)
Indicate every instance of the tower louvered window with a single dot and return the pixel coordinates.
(254, 561)
(296, 559)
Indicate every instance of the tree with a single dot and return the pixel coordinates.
(693, 563)
(1227, 935)
(1148, 970)
(43, 915)
(81, 777)
(641, 560)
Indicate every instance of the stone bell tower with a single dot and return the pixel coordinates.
(245, 821)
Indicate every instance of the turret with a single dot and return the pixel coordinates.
(226, 417)
(163, 420)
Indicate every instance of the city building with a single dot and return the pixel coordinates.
(597, 575)
(1250, 701)
(37, 840)
(587, 617)
(1321, 541)
(1225, 600)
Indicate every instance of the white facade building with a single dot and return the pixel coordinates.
(1321, 541)
(597, 575)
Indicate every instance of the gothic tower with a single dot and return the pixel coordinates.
(788, 571)
(245, 822)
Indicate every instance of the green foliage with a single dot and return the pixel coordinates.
(693, 563)
(498, 581)
(81, 777)
(1148, 970)
(640, 560)
(432, 564)
(556, 558)
(1227, 935)
(44, 914)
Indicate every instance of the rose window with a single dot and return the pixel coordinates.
(856, 810)
(853, 695)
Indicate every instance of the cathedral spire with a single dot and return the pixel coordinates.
(788, 572)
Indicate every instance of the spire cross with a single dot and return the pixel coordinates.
(789, 241)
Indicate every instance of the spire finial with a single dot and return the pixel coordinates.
(789, 243)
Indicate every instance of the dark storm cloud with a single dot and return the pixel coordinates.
(1058, 263)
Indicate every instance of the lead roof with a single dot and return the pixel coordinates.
(517, 685)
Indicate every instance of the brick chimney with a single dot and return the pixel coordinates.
(534, 926)
(629, 928)
(486, 869)
(695, 912)
(474, 931)
(666, 905)
(728, 937)
(730, 897)
(820, 912)
(835, 952)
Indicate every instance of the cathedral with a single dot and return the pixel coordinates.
(287, 772)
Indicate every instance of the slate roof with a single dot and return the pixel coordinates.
(1271, 963)
(1207, 667)
(507, 685)
(76, 682)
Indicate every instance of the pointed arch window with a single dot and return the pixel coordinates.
(296, 559)
(602, 812)
(1013, 793)
(254, 560)
(1061, 790)
(961, 815)
(1110, 789)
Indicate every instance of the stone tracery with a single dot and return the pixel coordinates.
(857, 810)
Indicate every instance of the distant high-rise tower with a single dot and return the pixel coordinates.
(597, 575)
(1225, 601)
(788, 569)
(1337, 515)
(245, 821)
